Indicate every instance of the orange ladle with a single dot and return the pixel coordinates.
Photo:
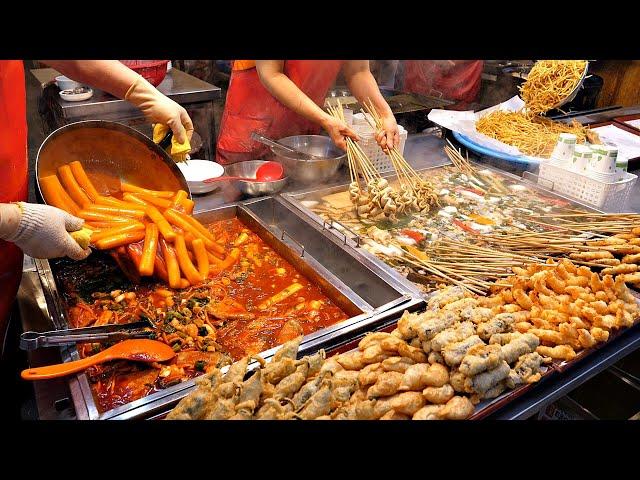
(139, 350)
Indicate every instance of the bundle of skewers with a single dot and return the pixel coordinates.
(478, 179)
(470, 266)
(371, 194)
(415, 192)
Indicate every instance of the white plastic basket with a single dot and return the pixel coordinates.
(606, 195)
(379, 159)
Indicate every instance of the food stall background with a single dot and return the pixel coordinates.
(499, 82)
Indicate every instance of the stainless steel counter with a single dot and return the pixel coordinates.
(177, 85)
(195, 95)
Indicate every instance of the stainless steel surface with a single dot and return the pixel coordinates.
(31, 340)
(278, 146)
(110, 152)
(363, 291)
(331, 223)
(315, 193)
(177, 85)
(196, 96)
(310, 171)
(248, 170)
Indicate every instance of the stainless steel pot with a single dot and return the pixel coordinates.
(110, 153)
(248, 170)
(310, 171)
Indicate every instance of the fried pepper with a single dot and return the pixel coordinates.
(453, 353)
(527, 370)
(454, 334)
(518, 346)
(480, 358)
(486, 380)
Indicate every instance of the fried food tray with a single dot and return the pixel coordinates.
(365, 292)
(489, 406)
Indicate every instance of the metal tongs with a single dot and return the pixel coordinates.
(105, 333)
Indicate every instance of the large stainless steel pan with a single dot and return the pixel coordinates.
(298, 198)
(110, 152)
(310, 171)
(364, 291)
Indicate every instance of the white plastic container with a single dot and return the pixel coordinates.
(596, 157)
(563, 151)
(611, 159)
(581, 158)
(379, 159)
(608, 195)
(604, 161)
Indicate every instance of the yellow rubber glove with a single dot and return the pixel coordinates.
(178, 151)
(158, 108)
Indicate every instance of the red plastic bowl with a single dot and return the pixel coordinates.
(153, 71)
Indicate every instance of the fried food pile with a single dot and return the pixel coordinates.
(620, 254)
(550, 82)
(475, 344)
(531, 134)
(385, 378)
(568, 308)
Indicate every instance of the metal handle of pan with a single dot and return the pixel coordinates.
(356, 238)
(284, 232)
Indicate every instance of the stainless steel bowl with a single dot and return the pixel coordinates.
(248, 170)
(310, 171)
(110, 153)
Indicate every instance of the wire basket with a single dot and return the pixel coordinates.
(153, 71)
(367, 142)
(606, 195)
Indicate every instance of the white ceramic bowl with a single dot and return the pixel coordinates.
(195, 171)
(69, 96)
(65, 83)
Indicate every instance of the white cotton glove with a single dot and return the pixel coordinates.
(41, 231)
(158, 108)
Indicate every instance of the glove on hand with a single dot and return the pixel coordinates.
(41, 231)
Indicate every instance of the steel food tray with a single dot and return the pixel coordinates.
(366, 292)
(296, 198)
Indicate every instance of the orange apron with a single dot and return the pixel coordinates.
(250, 107)
(460, 81)
(13, 172)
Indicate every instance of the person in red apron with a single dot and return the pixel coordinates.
(280, 98)
(40, 230)
(457, 80)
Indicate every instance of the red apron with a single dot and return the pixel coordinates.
(250, 107)
(13, 172)
(460, 81)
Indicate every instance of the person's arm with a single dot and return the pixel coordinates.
(122, 82)
(41, 231)
(272, 77)
(364, 87)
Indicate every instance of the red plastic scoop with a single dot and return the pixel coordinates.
(139, 350)
(267, 172)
